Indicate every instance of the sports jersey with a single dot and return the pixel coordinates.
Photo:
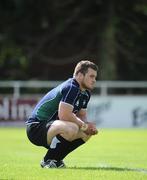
(68, 92)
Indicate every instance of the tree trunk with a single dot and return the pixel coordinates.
(108, 51)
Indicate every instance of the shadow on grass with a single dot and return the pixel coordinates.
(110, 169)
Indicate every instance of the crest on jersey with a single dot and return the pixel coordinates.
(84, 102)
(77, 103)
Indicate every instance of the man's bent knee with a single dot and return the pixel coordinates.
(71, 131)
(67, 129)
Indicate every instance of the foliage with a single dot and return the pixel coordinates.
(54, 35)
(12, 63)
(131, 41)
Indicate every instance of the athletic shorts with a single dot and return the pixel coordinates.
(37, 133)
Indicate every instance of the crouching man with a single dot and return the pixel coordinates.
(59, 120)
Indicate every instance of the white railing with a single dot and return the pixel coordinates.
(102, 85)
(105, 85)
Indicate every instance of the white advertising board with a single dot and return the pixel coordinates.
(106, 112)
(118, 111)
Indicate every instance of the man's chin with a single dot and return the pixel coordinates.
(90, 88)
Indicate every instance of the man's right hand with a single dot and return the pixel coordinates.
(91, 129)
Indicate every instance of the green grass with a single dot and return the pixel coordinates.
(113, 154)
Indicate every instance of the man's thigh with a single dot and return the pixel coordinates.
(68, 130)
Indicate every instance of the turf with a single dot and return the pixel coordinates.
(112, 154)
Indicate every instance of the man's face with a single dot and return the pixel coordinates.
(89, 79)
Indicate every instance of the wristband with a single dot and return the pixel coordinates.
(84, 127)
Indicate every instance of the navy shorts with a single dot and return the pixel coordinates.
(37, 133)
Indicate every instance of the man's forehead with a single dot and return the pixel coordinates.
(90, 70)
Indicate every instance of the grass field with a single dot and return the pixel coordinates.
(113, 154)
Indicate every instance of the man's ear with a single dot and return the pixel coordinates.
(80, 75)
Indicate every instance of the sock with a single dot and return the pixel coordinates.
(56, 149)
(60, 148)
(72, 146)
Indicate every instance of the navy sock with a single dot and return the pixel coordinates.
(72, 146)
(60, 148)
(56, 149)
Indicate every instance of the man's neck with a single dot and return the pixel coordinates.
(80, 85)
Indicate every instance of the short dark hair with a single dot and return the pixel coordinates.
(83, 66)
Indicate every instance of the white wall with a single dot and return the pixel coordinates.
(118, 111)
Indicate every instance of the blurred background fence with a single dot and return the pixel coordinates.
(17, 89)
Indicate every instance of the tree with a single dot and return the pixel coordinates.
(55, 35)
(131, 40)
(107, 53)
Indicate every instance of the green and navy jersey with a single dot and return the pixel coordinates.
(68, 92)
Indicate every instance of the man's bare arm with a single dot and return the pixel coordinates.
(65, 113)
(82, 114)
